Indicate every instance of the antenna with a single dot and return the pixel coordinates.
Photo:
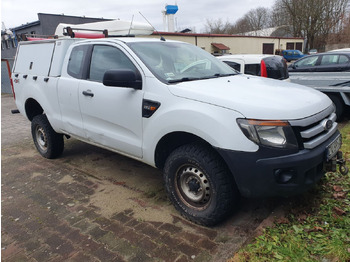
(161, 37)
(132, 20)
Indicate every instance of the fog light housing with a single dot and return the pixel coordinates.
(284, 176)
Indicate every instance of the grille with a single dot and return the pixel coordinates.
(318, 128)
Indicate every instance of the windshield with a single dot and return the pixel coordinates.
(176, 62)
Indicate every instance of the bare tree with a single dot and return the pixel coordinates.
(254, 20)
(217, 26)
(313, 19)
(258, 18)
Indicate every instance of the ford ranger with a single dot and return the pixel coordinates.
(216, 134)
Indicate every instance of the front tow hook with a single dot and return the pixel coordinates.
(337, 160)
(343, 169)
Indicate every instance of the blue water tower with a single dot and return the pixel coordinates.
(171, 9)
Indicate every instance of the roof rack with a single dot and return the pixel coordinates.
(34, 37)
(68, 31)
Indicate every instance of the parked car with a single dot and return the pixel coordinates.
(270, 66)
(327, 72)
(340, 50)
(312, 51)
(322, 62)
(290, 55)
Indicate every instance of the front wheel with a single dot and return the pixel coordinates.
(199, 184)
(49, 143)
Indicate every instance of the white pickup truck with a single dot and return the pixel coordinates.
(215, 133)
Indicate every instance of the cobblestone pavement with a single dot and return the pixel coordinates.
(95, 205)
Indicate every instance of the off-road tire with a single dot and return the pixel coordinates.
(49, 143)
(199, 184)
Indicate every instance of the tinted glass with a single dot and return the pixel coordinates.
(276, 67)
(234, 65)
(252, 69)
(307, 62)
(329, 60)
(76, 61)
(343, 59)
(105, 58)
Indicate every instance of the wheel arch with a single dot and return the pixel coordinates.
(171, 141)
(338, 101)
(33, 108)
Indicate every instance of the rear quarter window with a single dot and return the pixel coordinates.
(76, 61)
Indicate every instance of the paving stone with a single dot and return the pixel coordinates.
(117, 229)
(170, 228)
(147, 244)
(148, 230)
(121, 217)
(104, 254)
(31, 245)
(97, 232)
(188, 249)
(166, 254)
(10, 250)
(208, 245)
(82, 257)
(85, 225)
(76, 236)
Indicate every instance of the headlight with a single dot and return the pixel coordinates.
(269, 133)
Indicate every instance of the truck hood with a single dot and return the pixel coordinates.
(255, 97)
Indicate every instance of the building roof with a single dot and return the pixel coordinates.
(27, 25)
(220, 46)
(219, 35)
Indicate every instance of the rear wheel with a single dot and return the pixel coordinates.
(199, 184)
(49, 143)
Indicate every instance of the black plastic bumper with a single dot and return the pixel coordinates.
(276, 172)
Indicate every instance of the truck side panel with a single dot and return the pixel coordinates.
(34, 59)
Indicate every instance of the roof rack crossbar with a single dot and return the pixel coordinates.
(68, 31)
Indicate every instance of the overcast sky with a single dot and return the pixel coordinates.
(191, 13)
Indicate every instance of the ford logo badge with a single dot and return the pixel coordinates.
(327, 124)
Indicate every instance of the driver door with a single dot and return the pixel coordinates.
(112, 116)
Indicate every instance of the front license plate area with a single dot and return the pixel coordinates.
(333, 148)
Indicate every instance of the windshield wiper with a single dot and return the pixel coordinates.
(222, 75)
(184, 79)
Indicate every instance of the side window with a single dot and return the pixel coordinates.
(105, 58)
(76, 61)
(329, 59)
(234, 65)
(343, 59)
(307, 62)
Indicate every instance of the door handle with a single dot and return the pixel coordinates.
(88, 93)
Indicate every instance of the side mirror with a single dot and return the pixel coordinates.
(122, 78)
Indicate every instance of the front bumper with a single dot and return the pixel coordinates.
(276, 172)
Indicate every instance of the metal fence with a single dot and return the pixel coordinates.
(5, 78)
